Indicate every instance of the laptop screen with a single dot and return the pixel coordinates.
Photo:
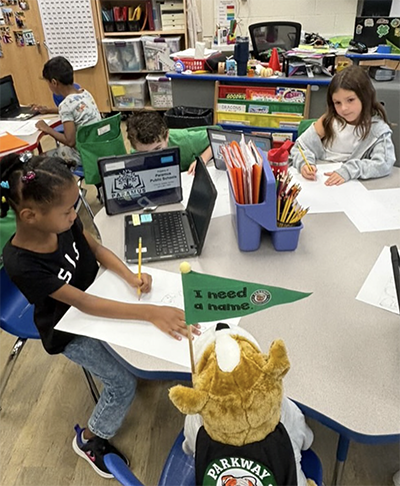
(139, 180)
(201, 203)
(394, 253)
(8, 96)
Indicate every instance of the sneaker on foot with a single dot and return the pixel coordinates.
(94, 451)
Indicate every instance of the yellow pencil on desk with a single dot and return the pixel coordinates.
(139, 264)
(305, 159)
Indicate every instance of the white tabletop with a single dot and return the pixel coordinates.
(344, 353)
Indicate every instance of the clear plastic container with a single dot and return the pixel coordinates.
(128, 94)
(157, 52)
(124, 55)
(160, 89)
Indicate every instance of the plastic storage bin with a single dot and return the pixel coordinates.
(129, 94)
(160, 88)
(250, 219)
(157, 52)
(124, 56)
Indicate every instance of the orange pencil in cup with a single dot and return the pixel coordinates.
(139, 292)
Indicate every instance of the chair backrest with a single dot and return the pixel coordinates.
(304, 125)
(266, 35)
(58, 98)
(179, 467)
(16, 314)
(101, 139)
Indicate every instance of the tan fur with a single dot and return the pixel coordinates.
(241, 406)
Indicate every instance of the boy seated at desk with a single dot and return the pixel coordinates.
(147, 131)
(77, 108)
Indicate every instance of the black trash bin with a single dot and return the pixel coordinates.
(188, 116)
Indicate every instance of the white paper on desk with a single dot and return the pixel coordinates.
(220, 179)
(137, 335)
(377, 210)
(21, 128)
(379, 288)
(321, 198)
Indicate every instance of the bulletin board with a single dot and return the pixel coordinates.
(69, 31)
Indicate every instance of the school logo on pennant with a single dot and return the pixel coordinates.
(260, 297)
(237, 471)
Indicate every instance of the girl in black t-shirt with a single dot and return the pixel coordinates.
(53, 260)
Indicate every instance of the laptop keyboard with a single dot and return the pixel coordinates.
(169, 234)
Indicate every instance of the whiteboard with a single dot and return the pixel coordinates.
(69, 31)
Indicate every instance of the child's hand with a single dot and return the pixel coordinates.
(42, 125)
(192, 168)
(143, 283)
(334, 179)
(311, 175)
(41, 109)
(171, 321)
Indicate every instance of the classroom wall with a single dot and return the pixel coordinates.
(327, 17)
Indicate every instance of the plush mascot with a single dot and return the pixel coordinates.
(240, 426)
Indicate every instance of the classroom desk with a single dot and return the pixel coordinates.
(34, 139)
(344, 354)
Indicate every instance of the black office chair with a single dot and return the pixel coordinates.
(266, 35)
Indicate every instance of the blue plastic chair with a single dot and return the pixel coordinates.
(179, 467)
(16, 318)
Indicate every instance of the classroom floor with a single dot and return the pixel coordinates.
(47, 395)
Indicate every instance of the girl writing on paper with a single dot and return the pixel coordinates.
(53, 260)
(354, 130)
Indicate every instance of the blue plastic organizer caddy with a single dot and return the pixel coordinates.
(249, 219)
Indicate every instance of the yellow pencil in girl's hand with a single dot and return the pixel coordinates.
(305, 159)
(139, 292)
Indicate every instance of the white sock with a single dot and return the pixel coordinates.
(84, 441)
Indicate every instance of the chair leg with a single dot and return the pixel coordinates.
(89, 211)
(15, 352)
(92, 385)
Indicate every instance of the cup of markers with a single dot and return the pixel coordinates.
(288, 211)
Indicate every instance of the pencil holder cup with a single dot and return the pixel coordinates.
(250, 219)
(286, 239)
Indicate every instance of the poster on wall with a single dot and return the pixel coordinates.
(69, 32)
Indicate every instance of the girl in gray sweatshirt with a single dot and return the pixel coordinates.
(354, 130)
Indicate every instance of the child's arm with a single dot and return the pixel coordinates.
(168, 319)
(376, 162)
(311, 144)
(45, 110)
(109, 260)
(206, 156)
(67, 138)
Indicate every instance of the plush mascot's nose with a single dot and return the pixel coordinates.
(221, 325)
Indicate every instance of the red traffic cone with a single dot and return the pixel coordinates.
(274, 60)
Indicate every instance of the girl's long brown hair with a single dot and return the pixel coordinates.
(353, 78)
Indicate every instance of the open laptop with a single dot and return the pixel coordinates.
(140, 180)
(222, 137)
(394, 253)
(173, 234)
(10, 108)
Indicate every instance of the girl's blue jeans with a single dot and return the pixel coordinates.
(119, 384)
